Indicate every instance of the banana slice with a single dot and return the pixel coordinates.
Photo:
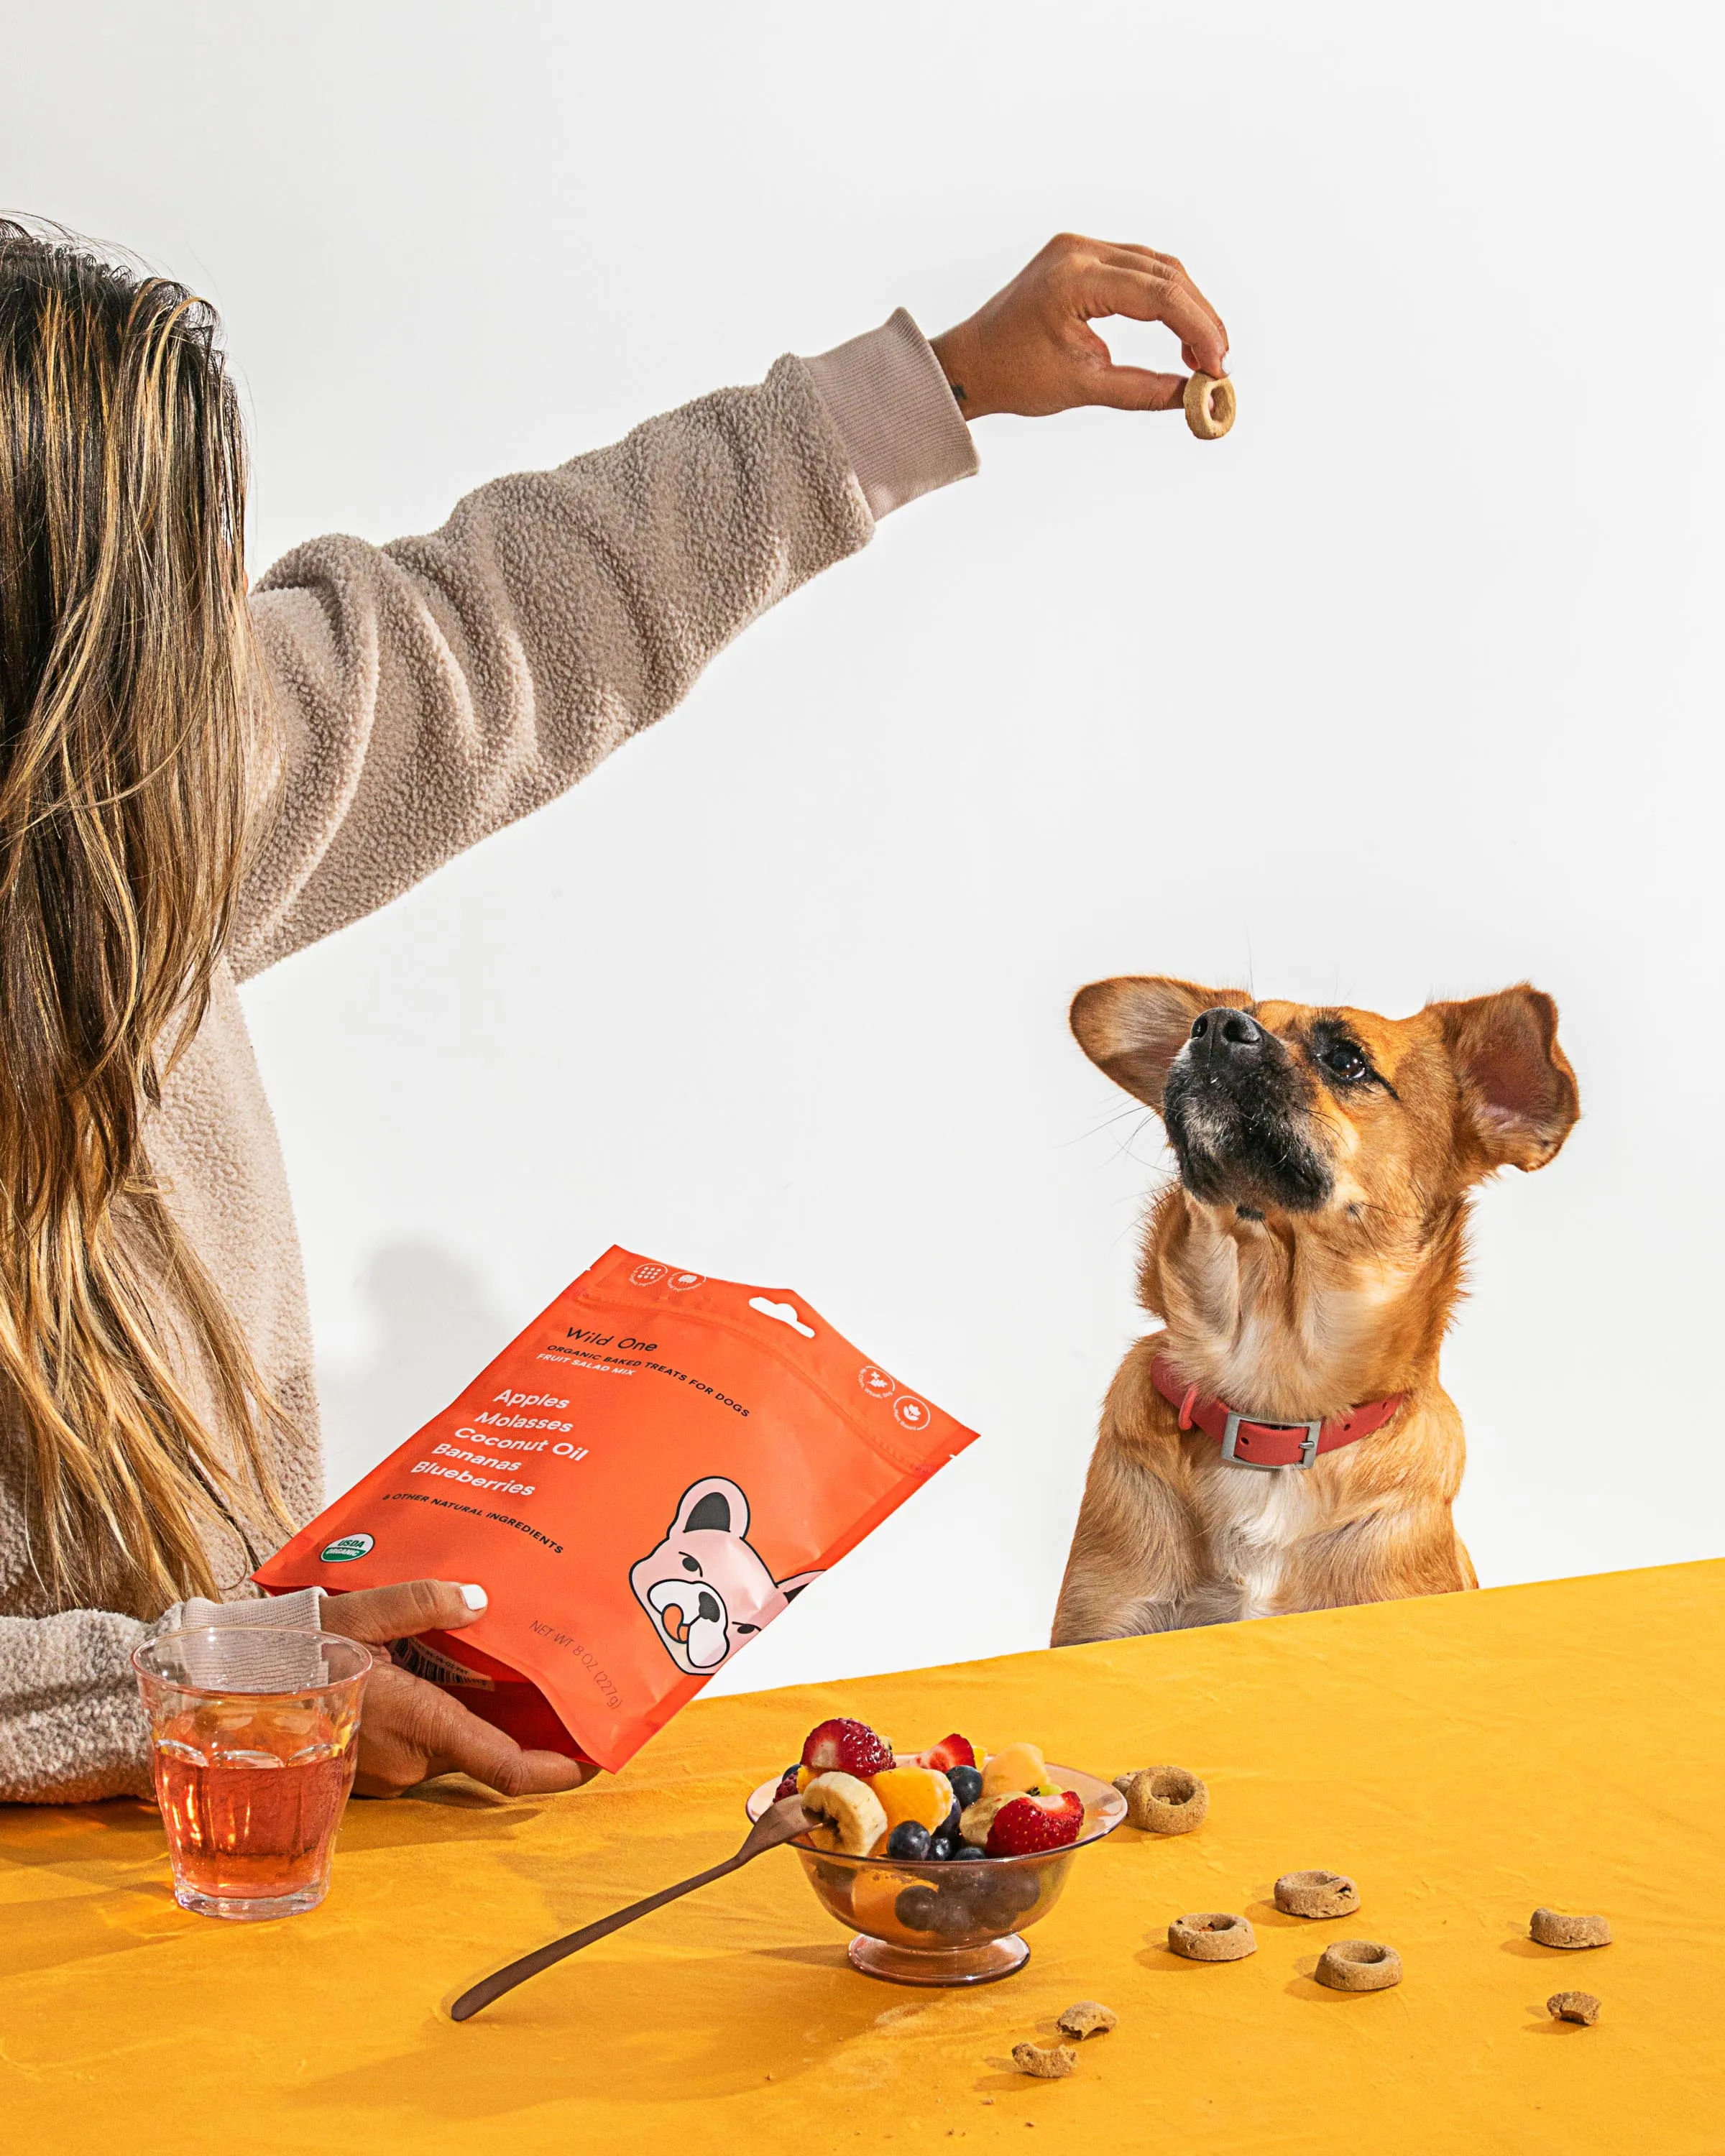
(856, 1813)
(975, 1820)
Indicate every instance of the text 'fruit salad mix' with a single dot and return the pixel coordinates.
(943, 1805)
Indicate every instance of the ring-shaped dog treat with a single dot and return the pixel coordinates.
(1212, 1935)
(1163, 1800)
(1209, 403)
(1316, 1894)
(1551, 1929)
(1360, 1965)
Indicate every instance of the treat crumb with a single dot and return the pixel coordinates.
(1088, 2017)
(1573, 2006)
(1051, 2065)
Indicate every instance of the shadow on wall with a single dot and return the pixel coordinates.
(434, 1327)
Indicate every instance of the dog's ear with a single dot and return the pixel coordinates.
(714, 1503)
(1134, 1027)
(1518, 1089)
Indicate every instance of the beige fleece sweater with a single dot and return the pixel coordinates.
(430, 692)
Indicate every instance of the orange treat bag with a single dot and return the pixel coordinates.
(642, 1481)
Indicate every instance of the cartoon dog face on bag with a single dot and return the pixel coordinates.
(705, 1589)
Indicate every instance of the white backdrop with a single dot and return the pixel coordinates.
(1410, 687)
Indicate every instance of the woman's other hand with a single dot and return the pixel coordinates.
(1031, 349)
(411, 1730)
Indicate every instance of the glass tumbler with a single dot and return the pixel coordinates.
(254, 1736)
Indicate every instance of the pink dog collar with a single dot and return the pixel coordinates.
(1247, 1441)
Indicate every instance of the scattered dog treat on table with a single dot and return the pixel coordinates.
(1163, 1800)
(1209, 405)
(1360, 1965)
(1088, 2017)
(1552, 1929)
(1573, 2006)
(1316, 1894)
(1213, 1935)
(1051, 2065)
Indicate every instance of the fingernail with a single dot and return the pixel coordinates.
(475, 1597)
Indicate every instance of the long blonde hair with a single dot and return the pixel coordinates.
(128, 723)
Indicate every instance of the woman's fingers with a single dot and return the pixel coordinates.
(465, 1745)
(410, 1730)
(1127, 257)
(411, 1605)
(1137, 389)
(1031, 349)
(1147, 296)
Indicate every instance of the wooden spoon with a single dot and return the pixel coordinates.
(776, 1825)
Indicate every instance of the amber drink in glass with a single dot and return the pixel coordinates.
(255, 1736)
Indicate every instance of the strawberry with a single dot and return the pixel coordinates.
(845, 1748)
(954, 1751)
(1025, 1825)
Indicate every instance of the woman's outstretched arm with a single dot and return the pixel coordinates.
(430, 692)
(434, 690)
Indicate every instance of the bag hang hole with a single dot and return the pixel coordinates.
(785, 1313)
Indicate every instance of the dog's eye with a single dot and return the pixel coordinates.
(1343, 1060)
(690, 1565)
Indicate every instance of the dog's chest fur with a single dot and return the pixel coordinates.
(1253, 1519)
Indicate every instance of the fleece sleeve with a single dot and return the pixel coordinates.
(71, 1726)
(430, 692)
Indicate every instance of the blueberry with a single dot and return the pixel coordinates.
(940, 1848)
(951, 1914)
(949, 1825)
(1017, 1888)
(964, 1850)
(914, 1908)
(910, 1840)
(967, 1784)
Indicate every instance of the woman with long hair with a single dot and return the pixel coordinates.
(197, 780)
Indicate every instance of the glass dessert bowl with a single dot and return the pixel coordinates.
(956, 1922)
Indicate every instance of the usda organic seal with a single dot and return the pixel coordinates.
(346, 1549)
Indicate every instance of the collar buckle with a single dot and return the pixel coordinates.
(1308, 1444)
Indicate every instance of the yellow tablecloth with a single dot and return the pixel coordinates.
(1465, 1757)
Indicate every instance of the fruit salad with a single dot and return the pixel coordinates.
(949, 1804)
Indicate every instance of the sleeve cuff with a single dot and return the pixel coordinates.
(895, 414)
(300, 1612)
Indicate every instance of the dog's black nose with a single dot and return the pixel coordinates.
(1226, 1035)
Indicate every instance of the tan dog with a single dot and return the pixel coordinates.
(1305, 1266)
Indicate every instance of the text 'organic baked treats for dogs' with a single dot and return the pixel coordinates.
(642, 1481)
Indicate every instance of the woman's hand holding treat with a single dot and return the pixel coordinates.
(1031, 349)
(411, 1730)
